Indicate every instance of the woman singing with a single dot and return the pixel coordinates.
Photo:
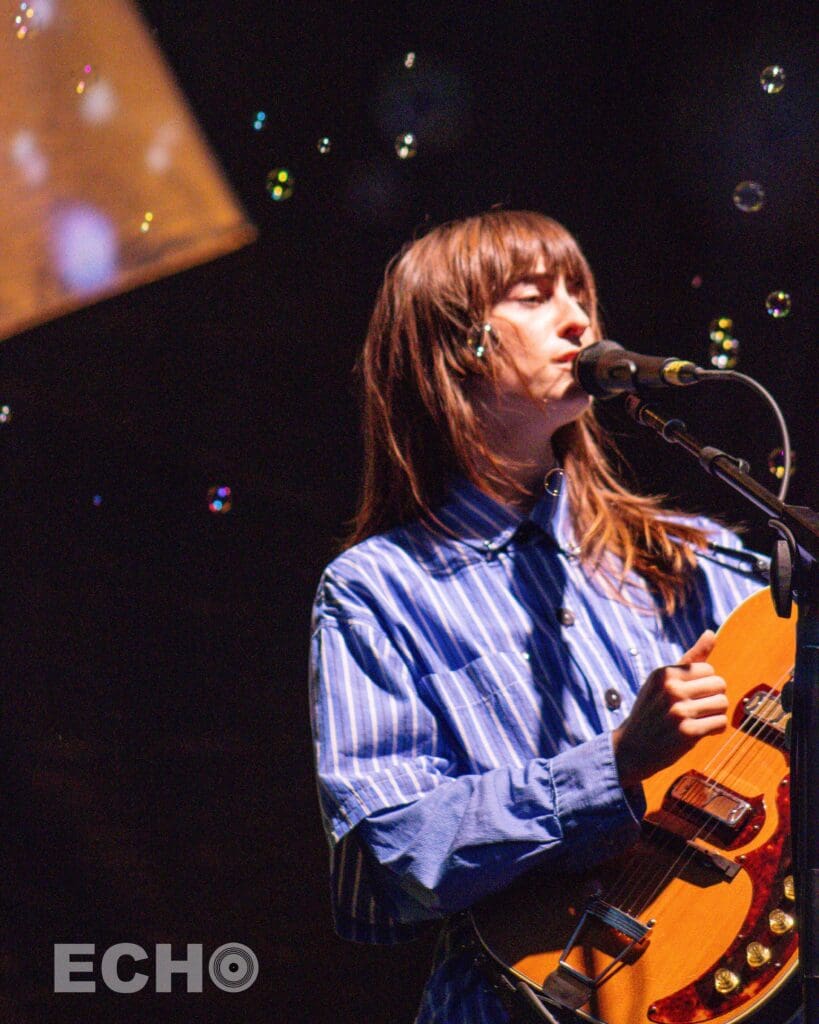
(511, 641)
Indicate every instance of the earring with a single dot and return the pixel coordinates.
(480, 337)
(553, 482)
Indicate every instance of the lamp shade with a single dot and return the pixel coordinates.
(107, 181)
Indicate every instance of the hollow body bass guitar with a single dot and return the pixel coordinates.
(695, 923)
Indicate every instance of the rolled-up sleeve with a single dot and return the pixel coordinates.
(375, 739)
(472, 837)
(443, 837)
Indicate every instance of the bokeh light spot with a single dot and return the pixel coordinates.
(778, 304)
(405, 146)
(99, 102)
(280, 184)
(85, 248)
(260, 120)
(776, 463)
(86, 77)
(720, 327)
(749, 196)
(220, 499)
(6, 414)
(772, 79)
(28, 158)
(159, 155)
(724, 354)
(324, 144)
(33, 16)
(409, 60)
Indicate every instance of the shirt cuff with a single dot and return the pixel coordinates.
(590, 797)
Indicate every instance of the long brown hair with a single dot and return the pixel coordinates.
(422, 424)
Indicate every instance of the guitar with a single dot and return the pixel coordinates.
(695, 923)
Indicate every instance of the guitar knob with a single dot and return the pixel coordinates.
(757, 955)
(788, 888)
(725, 981)
(780, 922)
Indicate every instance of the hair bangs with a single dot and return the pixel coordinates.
(516, 244)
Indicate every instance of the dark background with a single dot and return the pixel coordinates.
(158, 777)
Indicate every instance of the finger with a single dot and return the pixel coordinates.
(701, 649)
(694, 728)
(696, 688)
(688, 673)
(666, 673)
(714, 704)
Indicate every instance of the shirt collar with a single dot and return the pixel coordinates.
(487, 525)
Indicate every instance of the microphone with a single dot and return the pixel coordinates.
(606, 368)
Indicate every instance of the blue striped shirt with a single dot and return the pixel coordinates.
(464, 689)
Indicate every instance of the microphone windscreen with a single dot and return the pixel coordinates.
(585, 366)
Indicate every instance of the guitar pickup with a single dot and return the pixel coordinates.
(764, 708)
(694, 801)
(711, 799)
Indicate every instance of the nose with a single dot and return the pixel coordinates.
(574, 320)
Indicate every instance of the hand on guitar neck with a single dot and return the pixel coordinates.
(676, 706)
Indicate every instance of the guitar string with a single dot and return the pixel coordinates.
(774, 692)
(741, 765)
(740, 740)
(626, 872)
(650, 885)
(667, 844)
(733, 772)
(654, 881)
(707, 830)
(658, 880)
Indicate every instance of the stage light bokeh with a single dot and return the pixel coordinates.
(778, 304)
(406, 146)
(749, 196)
(772, 79)
(776, 463)
(280, 184)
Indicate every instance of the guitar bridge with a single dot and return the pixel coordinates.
(571, 988)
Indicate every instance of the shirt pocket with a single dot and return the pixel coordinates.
(492, 709)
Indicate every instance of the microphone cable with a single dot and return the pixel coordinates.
(740, 378)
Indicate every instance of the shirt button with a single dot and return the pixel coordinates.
(565, 616)
(632, 651)
(613, 699)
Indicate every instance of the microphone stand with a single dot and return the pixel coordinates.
(794, 572)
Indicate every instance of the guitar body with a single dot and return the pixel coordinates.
(694, 923)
